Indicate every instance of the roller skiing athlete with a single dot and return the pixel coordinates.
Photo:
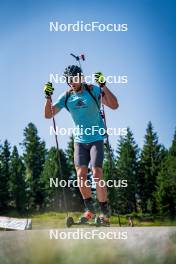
(83, 102)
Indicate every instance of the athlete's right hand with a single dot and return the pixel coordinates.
(48, 89)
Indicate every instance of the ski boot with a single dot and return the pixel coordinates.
(87, 216)
(102, 220)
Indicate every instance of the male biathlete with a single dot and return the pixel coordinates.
(83, 102)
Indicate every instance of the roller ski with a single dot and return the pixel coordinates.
(88, 218)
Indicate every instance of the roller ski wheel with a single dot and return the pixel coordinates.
(69, 221)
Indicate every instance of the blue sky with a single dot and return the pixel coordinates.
(146, 53)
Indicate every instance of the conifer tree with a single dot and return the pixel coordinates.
(34, 158)
(127, 169)
(166, 188)
(150, 163)
(4, 175)
(17, 181)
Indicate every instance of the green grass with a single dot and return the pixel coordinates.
(57, 220)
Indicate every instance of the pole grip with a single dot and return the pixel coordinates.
(76, 57)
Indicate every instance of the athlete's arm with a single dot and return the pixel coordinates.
(109, 99)
(50, 110)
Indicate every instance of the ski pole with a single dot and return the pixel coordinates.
(108, 146)
(107, 136)
(59, 159)
(78, 58)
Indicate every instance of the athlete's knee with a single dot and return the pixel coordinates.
(97, 172)
(81, 172)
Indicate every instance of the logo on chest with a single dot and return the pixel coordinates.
(80, 104)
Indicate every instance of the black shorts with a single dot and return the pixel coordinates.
(85, 153)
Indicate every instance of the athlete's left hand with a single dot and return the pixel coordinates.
(100, 79)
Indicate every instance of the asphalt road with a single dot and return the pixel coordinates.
(90, 245)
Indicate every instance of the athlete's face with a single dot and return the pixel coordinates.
(75, 83)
